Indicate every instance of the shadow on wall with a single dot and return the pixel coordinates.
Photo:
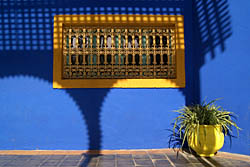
(211, 23)
(26, 39)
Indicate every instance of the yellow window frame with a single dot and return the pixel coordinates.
(60, 20)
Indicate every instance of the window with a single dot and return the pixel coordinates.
(118, 51)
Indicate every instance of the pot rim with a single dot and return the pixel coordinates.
(208, 126)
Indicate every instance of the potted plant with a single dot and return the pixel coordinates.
(204, 126)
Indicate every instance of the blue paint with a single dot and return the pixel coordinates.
(33, 115)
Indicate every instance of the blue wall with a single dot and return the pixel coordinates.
(33, 115)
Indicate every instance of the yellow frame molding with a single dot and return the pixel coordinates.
(143, 20)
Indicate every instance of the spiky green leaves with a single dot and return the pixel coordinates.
(190, 117)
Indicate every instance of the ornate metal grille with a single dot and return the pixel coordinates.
(93, 52)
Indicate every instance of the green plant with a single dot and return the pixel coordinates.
(190, 117)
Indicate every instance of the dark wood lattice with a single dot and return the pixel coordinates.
(91, 52)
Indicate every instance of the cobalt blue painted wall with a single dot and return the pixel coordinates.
(227, 74)
(33, 115)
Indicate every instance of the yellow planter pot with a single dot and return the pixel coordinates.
(209, 140)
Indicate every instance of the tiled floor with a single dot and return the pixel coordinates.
(128, 159)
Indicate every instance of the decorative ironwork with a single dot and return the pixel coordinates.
(91, 52)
